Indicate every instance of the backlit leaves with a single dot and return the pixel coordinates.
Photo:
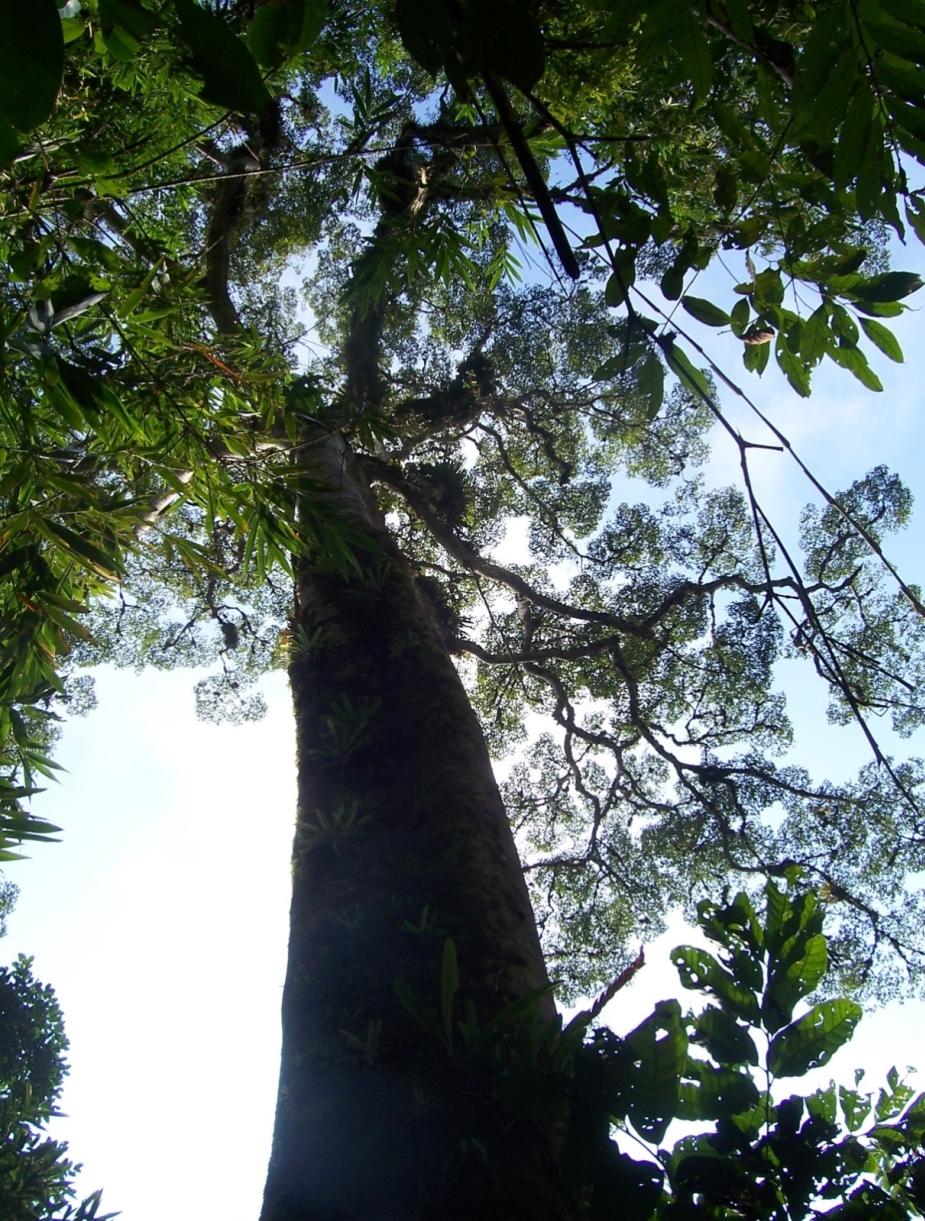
(753, 1156)
(812, 1040)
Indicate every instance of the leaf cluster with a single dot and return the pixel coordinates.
(758, 1153)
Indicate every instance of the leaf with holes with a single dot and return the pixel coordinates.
(812, 1040)
(658, 1047)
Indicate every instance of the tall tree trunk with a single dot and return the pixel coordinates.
(402, 842)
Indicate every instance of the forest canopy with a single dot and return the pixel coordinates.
(302, 306)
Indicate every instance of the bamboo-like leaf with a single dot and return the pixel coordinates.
(85, 552)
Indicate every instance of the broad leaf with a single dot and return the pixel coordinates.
(728, 1042)
(812, 1040)
(798, 973)
(650, 383)
(228, 71)
(706, 312)
(692, 378)
(717, 1092)
(31, 61)
(658, 1047)
(700, 971)
(280, 30)
(425, 32)
(891, 286)
(882, 338)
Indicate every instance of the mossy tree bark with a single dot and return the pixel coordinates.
(402, 842)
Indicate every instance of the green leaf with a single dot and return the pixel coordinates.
(910, 12)
(706, 312)
(10, 143)
(732, 924)
(718, 1092)
(690, 43)
(31, 61)
(616, 289)
(890, 286)
(903, 80)
(278, 31)
(901, 40)
(425, 32)
(125, 26)
(72, 28)
(313, 22)
(505, 36)
(738, 318)
(701, 972)
(853, 135)
(882, 338)
(414, 1006)
(813, 1039)
(815, 335)
(768, 289)
(854, 360)
(727, 1042)
(85, 552)
(129, 14)
(845, 326)
(68, 623)
(756, 357)
(822, 57)
(230, 76)
(697, 1169)
(855, 1107)
(137, 295)
(692, 378)
(803, 963)
(650, 383)
(658, 1047)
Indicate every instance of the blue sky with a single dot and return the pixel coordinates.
(161, 919)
